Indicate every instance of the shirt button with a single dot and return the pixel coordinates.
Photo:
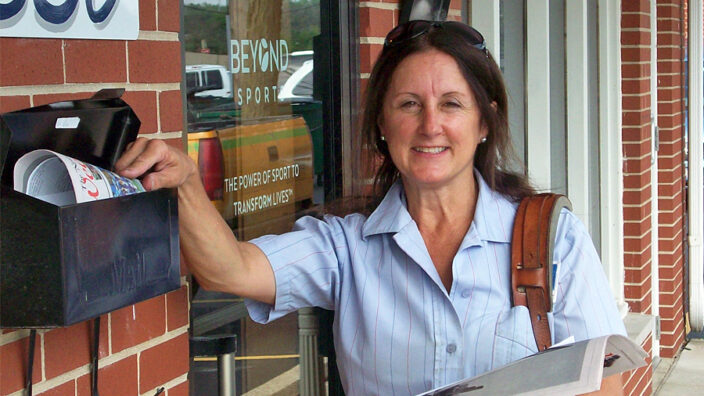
(466, 293)
(451, 348)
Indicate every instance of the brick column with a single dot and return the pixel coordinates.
(639, 382)
(637, 197)
(145, 346)
(671, 196)
(375, 20)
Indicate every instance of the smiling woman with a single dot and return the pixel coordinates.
(431, 123)
(477, 74)
(432, 126)
(421, 286)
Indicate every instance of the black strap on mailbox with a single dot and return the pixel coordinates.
(94, 357)
(94, 360)
(30, 360)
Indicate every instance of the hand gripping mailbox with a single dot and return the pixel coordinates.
(60, 265)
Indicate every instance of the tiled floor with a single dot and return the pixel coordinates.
(684, 375)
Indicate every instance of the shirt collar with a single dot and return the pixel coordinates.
(391, 215)
(493, 216)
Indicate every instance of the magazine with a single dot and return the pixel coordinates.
(62, 180)
(561, 370)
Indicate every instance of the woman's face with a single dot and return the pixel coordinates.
(431, 122)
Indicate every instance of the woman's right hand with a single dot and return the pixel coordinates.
(156, 163)
(208, 247)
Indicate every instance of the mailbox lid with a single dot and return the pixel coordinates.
(95, 130)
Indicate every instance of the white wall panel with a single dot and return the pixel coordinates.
(538, 92)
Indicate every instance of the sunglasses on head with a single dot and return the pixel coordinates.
(413, 29)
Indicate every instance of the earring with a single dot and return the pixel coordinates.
(483, 140)
(383, 138)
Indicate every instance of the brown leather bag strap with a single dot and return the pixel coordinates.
(531, 259)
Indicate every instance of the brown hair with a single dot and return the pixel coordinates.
(495, 158)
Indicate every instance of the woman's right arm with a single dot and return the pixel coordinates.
(211, 251)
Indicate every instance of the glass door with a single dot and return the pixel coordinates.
(255, 128)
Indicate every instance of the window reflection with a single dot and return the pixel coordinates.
(255, 130)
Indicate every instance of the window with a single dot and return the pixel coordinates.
(191, 80)
(213, 79)
(261, 127)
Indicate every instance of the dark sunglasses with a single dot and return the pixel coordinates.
(413, 29)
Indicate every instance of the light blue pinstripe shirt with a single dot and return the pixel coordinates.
(396, 329)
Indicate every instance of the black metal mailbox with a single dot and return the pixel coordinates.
(61, 265)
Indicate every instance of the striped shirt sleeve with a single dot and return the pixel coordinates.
(585, 306)
(306, 267)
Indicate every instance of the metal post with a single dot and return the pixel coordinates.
(308, 345)
(226, 374)
(224, 346)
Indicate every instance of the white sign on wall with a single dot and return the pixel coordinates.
(87, 19)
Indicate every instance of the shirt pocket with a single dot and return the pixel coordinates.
(513, 338)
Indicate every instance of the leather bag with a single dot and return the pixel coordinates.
(531, 259)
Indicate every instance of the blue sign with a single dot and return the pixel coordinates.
(11, 9)
(114, 19)
(102, 13)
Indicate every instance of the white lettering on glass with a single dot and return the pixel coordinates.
(254, 56)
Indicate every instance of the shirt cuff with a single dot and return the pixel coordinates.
(262, 312)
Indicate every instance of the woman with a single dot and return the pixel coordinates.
(420, 287)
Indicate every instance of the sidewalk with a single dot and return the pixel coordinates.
(683, 375)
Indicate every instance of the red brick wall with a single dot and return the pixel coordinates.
(375, 20)
(145, 346)
(671, 194)
(637, 196)
(639, 382)
(636, 73)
